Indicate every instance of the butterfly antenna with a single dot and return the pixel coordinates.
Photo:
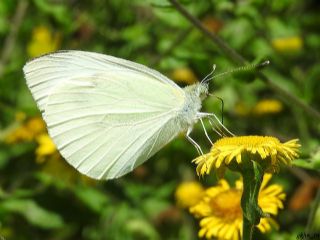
(210, 74)
(239, 69)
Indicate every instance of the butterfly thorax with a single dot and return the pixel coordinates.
(194, 95)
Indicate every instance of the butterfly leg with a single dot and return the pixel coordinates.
(205, 131)
(193, 142)
(215, 123)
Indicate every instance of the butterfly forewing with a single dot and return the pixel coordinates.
(46, 72)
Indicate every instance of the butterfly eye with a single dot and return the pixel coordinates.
(202, 90)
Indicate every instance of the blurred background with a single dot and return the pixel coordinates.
(42, 197)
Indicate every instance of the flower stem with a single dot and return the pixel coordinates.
(247, 229)
(313, 210)
(252, 178)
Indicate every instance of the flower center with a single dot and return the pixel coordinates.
(246, 141)
(227, 205)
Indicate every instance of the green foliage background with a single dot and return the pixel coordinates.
(37, 203)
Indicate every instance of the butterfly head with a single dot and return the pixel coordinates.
(203, 90)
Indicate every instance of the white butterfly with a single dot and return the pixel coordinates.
(108, 115)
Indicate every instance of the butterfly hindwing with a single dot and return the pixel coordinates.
(107, 124)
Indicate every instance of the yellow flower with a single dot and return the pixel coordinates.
(42, 41)
(221, 214)
(287, 44)
(267, 106)
(46, 146)
(269, 151)
(184, 74)
(56, 168)
(28, 131)
(36, 126)
(19, 134)
(20, 116)
(263, 107)
(188, 194)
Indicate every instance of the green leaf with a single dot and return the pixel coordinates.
(135, 36)
(238, 33)
(91, 197)
(59, 11)
(171, 17)
(33, 213)
(4, 158)
(153, 207)
(313, 164)
(166, 190)
(142, 228)
(278, 28)
(261, 48)
(49, 180)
